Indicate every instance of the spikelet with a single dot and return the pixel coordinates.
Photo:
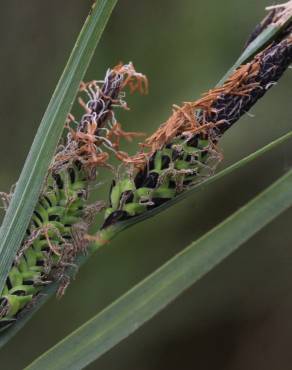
(183, 151)
(57, 232)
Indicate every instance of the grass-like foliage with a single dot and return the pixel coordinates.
(47, 224)
(141, 303)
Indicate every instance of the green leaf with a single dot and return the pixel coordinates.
(92, 29)
(141, 303)
(36, 166)
(51, 289)
(258, 44)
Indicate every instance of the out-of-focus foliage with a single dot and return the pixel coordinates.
(239, 315)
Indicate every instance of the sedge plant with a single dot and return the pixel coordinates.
(180, 154)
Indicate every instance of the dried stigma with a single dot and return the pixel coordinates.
(59, 225)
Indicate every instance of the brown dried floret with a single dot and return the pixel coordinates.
(222, 106)
(98, 132)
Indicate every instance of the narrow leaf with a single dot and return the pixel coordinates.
(36, 166)
(141, 303)
(51, 289)
(258, 44)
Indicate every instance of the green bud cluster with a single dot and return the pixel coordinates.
(49, 243)
(168, 172)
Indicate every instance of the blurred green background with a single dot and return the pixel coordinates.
(237, 317)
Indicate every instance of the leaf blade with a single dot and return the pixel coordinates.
(142, 302)
(258, 44)
(36, 166)
(50, 290)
